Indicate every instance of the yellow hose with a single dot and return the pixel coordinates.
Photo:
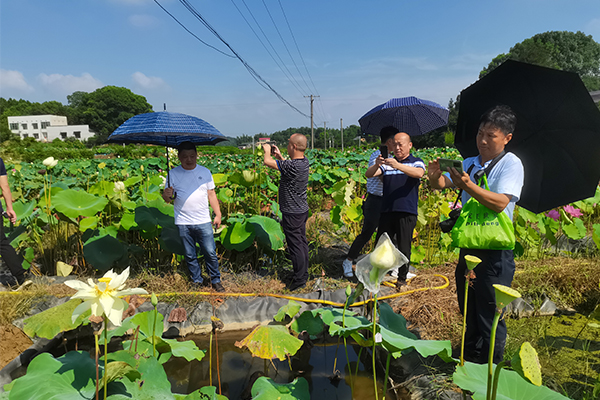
(301, 299)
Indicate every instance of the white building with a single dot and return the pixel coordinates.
(46, 128)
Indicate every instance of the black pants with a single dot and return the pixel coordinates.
(13, 261)
(400, 225)
(294, 228)
(496, 267)
(371, 211)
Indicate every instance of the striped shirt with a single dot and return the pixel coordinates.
(293, 185)
(374, 184)
(401, 192)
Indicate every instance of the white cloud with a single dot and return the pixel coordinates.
(148, 82)
(66, 84)
(14, 80)
(143, 21)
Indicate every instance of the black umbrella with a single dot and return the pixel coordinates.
(557, 136)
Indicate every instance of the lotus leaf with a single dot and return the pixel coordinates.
(70, 377)
(149, 218)
(268, 231)
(511, 386)
(52, 321)
(76, 203)
(266, 389)
(270, 341)
(309, 322)
(290, 309)
(104, 252)
(171, 241)
(22, 209)
(88, 223)
(238, 236)
(119, 369)
(527, 364)
(103, 188)
(219, 179)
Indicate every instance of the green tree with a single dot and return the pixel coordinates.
(107, 108)
(568, 51)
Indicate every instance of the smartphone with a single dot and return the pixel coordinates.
(384, 151)
(272, 150)
(446, 163)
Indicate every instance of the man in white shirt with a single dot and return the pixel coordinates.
(193, 189)
(498, 266)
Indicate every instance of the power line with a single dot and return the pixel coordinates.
(288, 75)
(285, 45)
(259, 79)
(191, 33)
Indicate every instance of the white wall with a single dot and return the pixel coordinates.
(46, 128)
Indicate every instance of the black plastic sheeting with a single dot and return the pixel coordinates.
(236, 313)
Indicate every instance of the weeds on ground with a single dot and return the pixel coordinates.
(16, 305)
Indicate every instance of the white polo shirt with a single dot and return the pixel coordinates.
(506, 177)
(191, 203)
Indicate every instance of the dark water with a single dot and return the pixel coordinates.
(238, 370)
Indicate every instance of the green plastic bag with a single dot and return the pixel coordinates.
(478, 227)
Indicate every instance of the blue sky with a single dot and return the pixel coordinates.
(357, 53)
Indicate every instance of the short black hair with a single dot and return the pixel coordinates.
(502, 117)
(186, 146)
(387, 133)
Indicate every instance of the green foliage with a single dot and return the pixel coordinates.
(568, 51)
(473, 377)
(266, 389)
(52, 321)
(290, 310)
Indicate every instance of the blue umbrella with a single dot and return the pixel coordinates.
(168, 129)
(408, 114)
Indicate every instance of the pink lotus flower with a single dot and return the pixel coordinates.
(572, 211)
(555, 215)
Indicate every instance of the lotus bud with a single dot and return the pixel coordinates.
(383, 256)
(505, 295)
(119, 186)
(472, 262)
(50, 162)
(348, 290)
(154, 300)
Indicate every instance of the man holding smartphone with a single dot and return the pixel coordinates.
(399, 210)
(505, 181)
(371, 206)
(293, 202)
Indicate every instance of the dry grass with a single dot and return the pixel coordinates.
(16, 305)
(434, 313)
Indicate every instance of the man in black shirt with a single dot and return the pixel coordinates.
(292, 202)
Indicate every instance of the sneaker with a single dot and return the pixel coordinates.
(218, 287)
(394, 273)
(198, 286)
(347, 267)
(410, 275)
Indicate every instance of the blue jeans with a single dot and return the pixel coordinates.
(203, 235)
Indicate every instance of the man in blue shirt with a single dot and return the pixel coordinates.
(371, 208)
(401, 179)
(505, 181)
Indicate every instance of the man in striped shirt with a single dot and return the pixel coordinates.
(293, 202)
(401, 179)
(371, 208)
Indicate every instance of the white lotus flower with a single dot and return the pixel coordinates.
(103, 298)
(119, 187)
(50, 162)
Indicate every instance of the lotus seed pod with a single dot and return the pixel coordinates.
(505, 295)
(472, 262)
(527, 364)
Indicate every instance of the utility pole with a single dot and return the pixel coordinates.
(342, 133)
(325, 133)
(312, 125)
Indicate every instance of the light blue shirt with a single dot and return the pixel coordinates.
(506, 177)
(375, 184)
